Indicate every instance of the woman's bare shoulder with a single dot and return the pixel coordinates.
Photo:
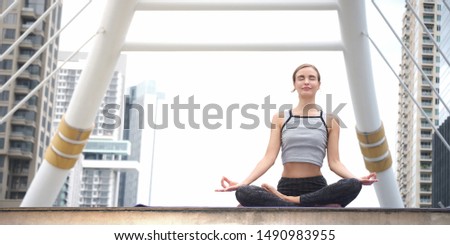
(332, 119)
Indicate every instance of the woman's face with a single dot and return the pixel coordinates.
(306, 82)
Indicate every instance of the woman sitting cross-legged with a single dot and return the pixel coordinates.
(305, 135)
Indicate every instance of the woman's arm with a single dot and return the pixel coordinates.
(334, 161)
(333, 155)
(266, 162)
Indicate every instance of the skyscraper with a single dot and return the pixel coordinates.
(414, 141)
(141, 110)
(444, 86)
(25, 29)
(441, 168)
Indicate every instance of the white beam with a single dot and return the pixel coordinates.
(168, 46)
(236, 5)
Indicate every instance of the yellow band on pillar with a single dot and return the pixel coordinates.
(379, 166)
(73, 133)
(371, 137)
(66, 145)
(59, 161)
(375, 149)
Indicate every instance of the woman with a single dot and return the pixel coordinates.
(304, 135)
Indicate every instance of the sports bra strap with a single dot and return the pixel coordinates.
(286, 119)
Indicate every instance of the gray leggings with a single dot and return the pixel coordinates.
(313, 192)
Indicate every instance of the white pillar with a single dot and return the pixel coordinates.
(74, 130)
(352, 18)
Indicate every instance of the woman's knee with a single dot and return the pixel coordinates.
(243, 193)
(240, 191)
(353, 185)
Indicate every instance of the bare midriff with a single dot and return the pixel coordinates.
(300, 170)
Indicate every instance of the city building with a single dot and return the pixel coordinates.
(141, 109)
(118, 173)
(104, 166)
(441, 154)
(444, 86)
(441, 169)
(28, 55)
(99, 177)
(414, 139)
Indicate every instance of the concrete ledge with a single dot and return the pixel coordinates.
(219, 216)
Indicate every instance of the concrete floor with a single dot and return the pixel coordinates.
(217, 216)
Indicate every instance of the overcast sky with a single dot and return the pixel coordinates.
(189, 163)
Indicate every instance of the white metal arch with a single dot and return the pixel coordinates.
(74, 130)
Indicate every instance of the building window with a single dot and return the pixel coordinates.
(34, 69)
(27, 51)
(425, 165)
(4, 47)
(19, 182)
(3, 110)
(19, 166)
(427, 70)
(32, 101)
(6, 65)
(4, 79)
(25, 130)
(425, 199)
(425, 177)
(4, 96)
(23, 146)
(10, 19)
(427, 59)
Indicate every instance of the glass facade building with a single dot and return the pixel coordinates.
(441, 168)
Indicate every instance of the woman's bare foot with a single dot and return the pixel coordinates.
(273, 190)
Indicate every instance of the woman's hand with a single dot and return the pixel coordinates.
(228, 185)
(273, 190)
(369, 179)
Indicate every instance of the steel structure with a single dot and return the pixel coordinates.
(73, 132)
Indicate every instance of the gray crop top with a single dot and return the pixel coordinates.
(303, 138)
